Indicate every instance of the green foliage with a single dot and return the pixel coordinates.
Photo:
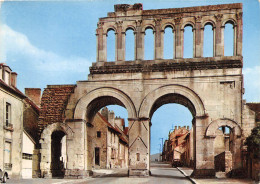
(253, 141)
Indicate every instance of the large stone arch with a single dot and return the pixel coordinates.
(151, 98)
(214, 125)
(81, 107)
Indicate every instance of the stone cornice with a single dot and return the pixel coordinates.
(134, 67)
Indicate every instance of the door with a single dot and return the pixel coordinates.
(97, 156)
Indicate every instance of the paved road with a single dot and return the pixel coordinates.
(161, 174)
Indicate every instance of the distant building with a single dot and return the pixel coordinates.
(11, 122)
(110, 143)
(178, 149)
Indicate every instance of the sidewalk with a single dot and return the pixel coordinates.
(187, 172)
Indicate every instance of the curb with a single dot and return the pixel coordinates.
(192, 180)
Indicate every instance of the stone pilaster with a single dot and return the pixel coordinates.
(77, 165)
(219, 36)
(239, 34)
(158, 40)
(198, 38)
(139, 147)
(120, 42)
(178, 39)
(139, 40)
(101, 43)
(204, 149)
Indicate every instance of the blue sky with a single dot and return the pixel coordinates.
(54, 42)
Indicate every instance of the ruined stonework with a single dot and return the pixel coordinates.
(210, 87)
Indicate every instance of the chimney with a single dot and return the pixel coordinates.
(34, 94)
(13, 79)
(104, 113)
(111, 118)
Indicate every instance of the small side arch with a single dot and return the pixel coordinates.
(130, 27)
(188, 23)
(168, 24)
(111, 28)
(209, 22)
(57, 127)
(214, 125)
(148, 26)
(81, 106)
(229, 20)
(150, 99)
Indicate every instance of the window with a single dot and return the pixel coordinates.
(149, 44)
(98, 134)
(7, 77)
(8, 114)
(7, 155)
(114, 138)
(27, 156)
(137, 156)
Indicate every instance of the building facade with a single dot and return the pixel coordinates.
(110, 144)
(11, 123)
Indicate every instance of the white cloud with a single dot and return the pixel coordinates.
(17, 44)
(252, 83)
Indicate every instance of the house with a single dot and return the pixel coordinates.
(11, 122)
(110, 143)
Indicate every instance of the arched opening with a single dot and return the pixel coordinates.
(107, 131)
(111, 45)
(58, 153)
(149, 44)
(188, 41)
(168, 43)
(172, 129)
(229, 38)
(223, 140)
(208, 40)
(223, 150)
(130, 45)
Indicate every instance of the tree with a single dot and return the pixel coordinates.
(253, 142)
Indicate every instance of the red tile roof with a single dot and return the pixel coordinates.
(108, 124)
(53, 103)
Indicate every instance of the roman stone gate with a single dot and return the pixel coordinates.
(210, 87)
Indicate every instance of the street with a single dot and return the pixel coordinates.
(161, 173)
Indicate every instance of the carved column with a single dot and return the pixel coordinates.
(158, 40)
(198, 50)
(139, 147)
(139, 40)
(120, 42)
(239, 34)
(101, 43)
(219, 39)
(178, 39)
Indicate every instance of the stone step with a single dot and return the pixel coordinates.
(221, 175)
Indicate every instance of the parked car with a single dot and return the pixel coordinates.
(3, 175)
